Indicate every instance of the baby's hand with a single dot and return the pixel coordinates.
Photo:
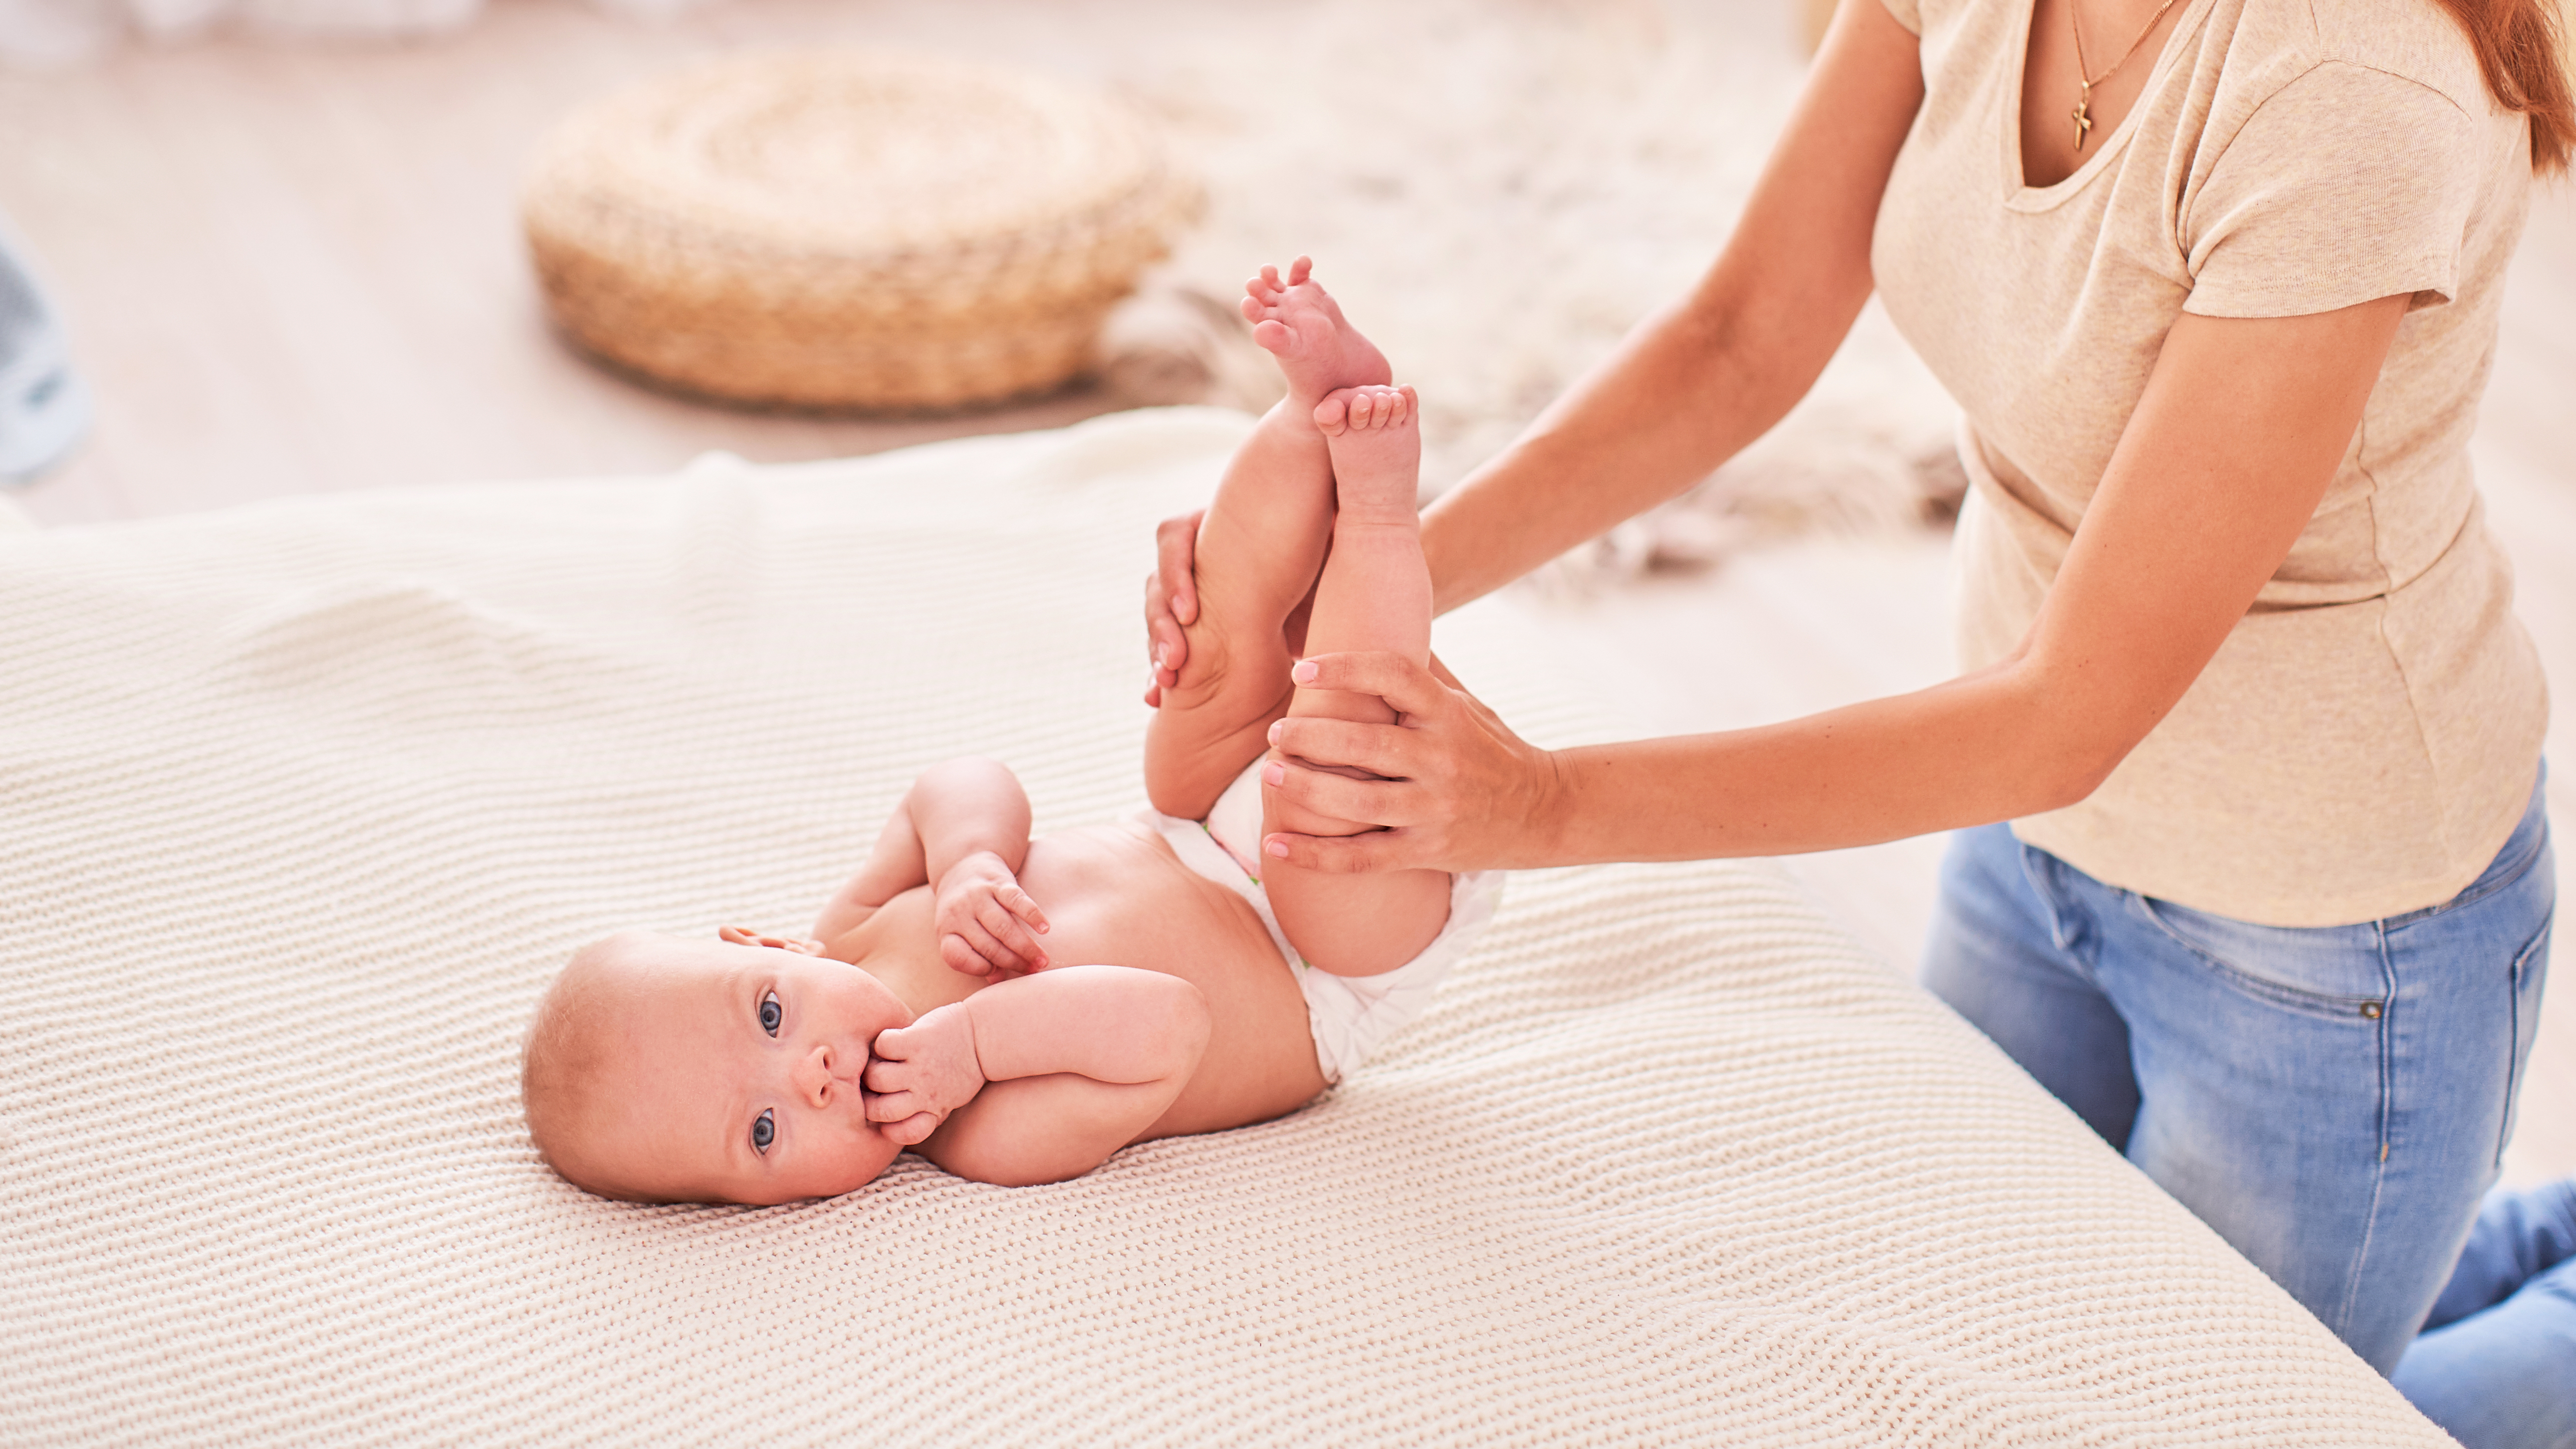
(745, 936)
(923, 1072)
(985, 919)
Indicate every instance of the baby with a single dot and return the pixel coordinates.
(1020, 1009)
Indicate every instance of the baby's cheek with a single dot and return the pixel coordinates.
(868, 1156)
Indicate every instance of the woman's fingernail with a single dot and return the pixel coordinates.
(1304, 673)
(1274, 730)
(1275, 848)
(1159, 661)
(1274, 773)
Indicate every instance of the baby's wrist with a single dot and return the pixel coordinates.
(959, 1027)
(975, 866)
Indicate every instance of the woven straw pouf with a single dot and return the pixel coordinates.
(852, 231)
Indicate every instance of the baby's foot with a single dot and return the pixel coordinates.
(1297, 322)
(1376, 441)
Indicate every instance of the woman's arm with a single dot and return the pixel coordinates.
(2241, 427)
(1692, 384)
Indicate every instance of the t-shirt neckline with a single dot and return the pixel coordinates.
(2023, 196)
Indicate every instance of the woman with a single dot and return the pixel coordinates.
(2215, 284)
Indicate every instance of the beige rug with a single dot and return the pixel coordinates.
(1498, 192)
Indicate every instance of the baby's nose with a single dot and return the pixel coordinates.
(814, 1079)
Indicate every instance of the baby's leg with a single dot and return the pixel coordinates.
(1375, 594)
(1259, 550)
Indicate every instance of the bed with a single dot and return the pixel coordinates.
(303, 804)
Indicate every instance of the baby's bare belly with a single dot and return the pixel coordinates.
(1119, 895)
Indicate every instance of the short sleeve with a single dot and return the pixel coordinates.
(1908, 13)
(2346, 185)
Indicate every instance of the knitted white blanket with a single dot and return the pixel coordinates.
(302, 804)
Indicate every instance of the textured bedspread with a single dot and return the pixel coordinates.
(301, 805)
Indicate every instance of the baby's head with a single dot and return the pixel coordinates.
(669, 1070)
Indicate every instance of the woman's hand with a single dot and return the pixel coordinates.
(1460, 790)
(1171, 601)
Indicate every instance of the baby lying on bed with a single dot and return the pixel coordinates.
(1021, 1009)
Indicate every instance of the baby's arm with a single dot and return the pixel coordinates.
(964, 828)
(1040, 1079)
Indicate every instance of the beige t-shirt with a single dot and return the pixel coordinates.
(2367, 737)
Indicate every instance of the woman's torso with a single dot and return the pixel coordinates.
(2365, 739)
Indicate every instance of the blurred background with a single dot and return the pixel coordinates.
(283, 240)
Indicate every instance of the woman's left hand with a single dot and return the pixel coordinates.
(1171, 601)
(1458, 790)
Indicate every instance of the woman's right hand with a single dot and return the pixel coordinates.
(1448, 785)
(1171, 601)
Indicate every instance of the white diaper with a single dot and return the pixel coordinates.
(1349, 1015)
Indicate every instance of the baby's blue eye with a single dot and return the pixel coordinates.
(763, 1132)
(770, 1013)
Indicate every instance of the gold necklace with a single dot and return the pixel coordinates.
(2083, 122)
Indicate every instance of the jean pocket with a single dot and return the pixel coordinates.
(2530, 975)
(2335, 973)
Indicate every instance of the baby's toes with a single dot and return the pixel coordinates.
(1332, 415)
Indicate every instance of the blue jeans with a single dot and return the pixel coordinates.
(2332, 1100)
(2497, 1363)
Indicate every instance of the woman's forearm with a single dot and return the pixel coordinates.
(1970, 751)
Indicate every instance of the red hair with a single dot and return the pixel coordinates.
(2518, 42)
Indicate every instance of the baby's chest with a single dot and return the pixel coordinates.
(1125, 903)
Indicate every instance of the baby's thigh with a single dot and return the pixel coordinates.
(1359, 925)
(1350, 924)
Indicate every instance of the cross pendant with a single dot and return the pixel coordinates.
(2083, 122)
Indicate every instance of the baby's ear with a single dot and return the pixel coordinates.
(745, 936)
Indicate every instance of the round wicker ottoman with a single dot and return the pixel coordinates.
(848, 231)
